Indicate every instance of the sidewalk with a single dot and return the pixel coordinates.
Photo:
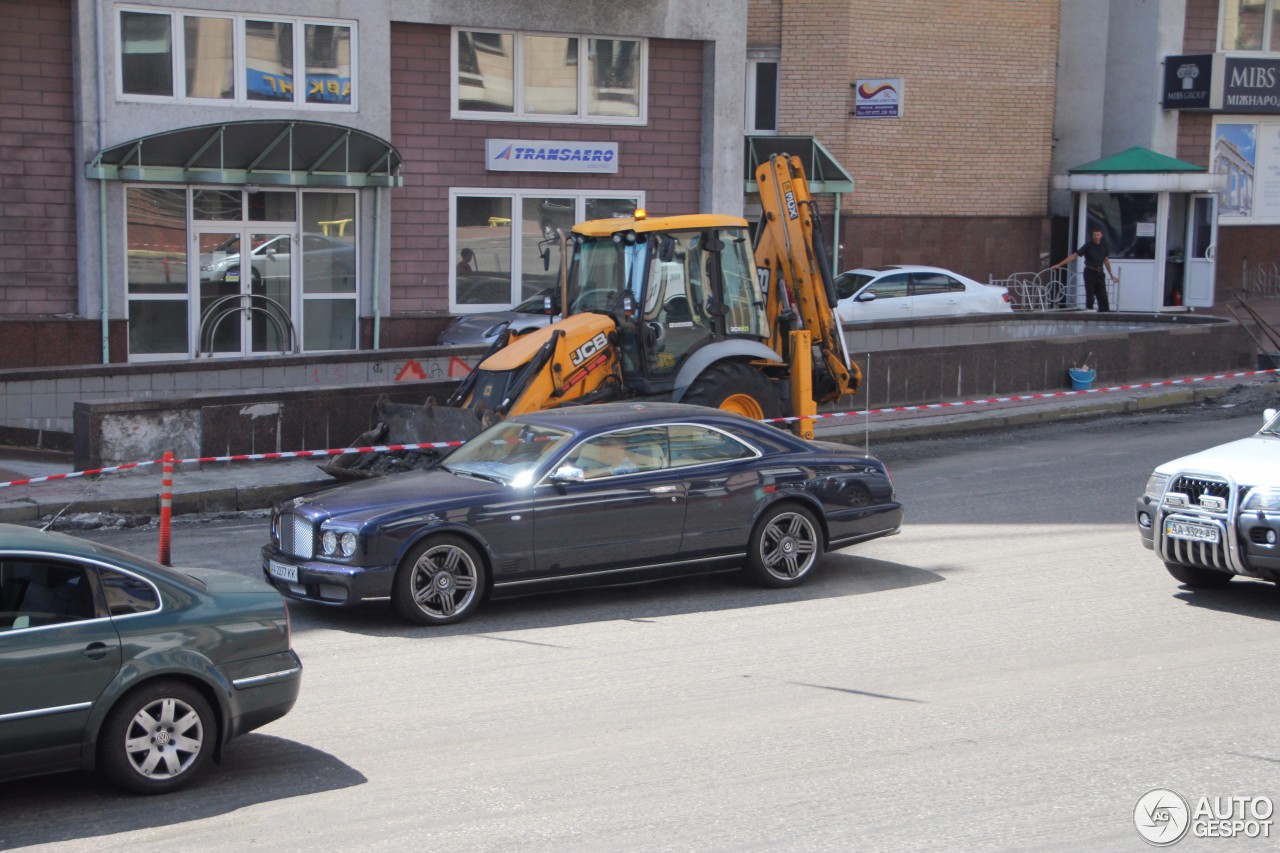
(255, 485)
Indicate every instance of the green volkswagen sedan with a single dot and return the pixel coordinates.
(110, 661)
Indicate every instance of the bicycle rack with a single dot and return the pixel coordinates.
(216, 314)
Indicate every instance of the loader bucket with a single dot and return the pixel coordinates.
(404, 423)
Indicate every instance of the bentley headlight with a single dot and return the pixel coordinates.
(1156, 484)
(496, 329)
(1263, 499)
(348, 543)
(329, 543)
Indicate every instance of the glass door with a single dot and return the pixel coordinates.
(1202, 239)
(245, 309)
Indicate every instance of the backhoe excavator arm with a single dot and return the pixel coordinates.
(801, 294)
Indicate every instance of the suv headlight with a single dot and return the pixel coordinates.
(1155, 485)
(332, 542)
(1263, 499)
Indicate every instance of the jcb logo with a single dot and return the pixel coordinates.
(590, 348)
(793, 209)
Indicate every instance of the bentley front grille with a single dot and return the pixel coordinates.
(296, 536)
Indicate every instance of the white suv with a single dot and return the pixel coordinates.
(1216, 514)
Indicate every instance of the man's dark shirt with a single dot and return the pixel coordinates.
(1094, 254)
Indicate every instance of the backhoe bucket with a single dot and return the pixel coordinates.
(403, 423)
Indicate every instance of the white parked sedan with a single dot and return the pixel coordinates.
(913, 292)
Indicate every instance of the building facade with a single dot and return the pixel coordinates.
(227, 180)
(954, 168)
(1197, 80)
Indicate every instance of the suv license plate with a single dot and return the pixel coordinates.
(1191, 532)
(280, 570)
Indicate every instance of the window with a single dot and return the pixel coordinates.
(189, 296)
(926, 284)
(890, 286)
(1248, 153)
(696, 445)
(1250, 25)
(146, 53)
(617, 453)
(192, 56)
(505, 245)
(38, 593)
(209, 51)
(762, 91)
(528, 77)
(1128, 223)
(127, 594)
(328, 271)
(156, 269)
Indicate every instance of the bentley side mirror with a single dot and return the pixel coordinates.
(568, 474)
(865, 297)
(1268, 415)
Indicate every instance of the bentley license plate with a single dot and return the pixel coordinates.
(1191, 532)
(285, 573)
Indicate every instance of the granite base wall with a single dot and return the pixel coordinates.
(286, 405)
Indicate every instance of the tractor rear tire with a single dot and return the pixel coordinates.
(735, 387)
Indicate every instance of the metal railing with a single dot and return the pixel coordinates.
(1261, 282)
(234, 307)
(1049, 289)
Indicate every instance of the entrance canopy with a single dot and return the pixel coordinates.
(269, 153)
(824, 172)
(1140, 170)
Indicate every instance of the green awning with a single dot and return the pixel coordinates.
(1136, 159)
(1140, 170)
(268, 153)
(824, 172)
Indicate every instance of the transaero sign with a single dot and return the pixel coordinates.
(544, 155)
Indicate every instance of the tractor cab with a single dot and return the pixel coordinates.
(673, 285)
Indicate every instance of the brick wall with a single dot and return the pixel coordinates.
(661, 159)
(37, 230)
(976, 246)
(764, 23)
(1200, 35)
(1200, 30)
(1195, 137)
(976, 135)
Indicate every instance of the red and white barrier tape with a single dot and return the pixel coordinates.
(383, 448)
(240, 457)
(1018, 398)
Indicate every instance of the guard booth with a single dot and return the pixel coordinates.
(1159, 215)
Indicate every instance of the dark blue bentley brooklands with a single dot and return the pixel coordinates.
(589, 495)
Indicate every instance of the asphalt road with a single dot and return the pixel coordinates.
(1012, 672)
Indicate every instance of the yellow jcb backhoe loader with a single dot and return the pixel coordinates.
(676, 308)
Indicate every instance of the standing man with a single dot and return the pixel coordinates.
(1096, 256)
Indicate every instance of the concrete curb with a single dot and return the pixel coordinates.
(986, 418)
(242, 499)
